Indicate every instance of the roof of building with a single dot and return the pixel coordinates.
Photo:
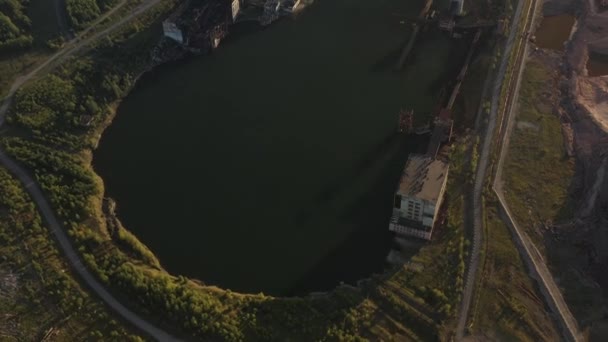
(423, 177)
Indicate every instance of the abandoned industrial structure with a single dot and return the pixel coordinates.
(200, 25)
(419, 196)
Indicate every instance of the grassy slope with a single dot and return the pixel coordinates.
(538, 175)
(509, 307)
(537, 171)
(507, 303)
(45, 297)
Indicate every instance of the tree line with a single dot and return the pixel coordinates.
(14, 26)
(83, 12)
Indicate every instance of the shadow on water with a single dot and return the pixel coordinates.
(364, 242)
(342, 184)
(364, 164)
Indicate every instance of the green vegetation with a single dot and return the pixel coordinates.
(508, 305)
(26, 29)
(537, 170)
(83, 12)
(14, 26)
(29, 32)
(38, 294)
(538, 175)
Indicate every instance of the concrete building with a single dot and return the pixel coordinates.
(419, 196)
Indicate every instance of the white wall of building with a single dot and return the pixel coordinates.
(418, 210)
(397, 228)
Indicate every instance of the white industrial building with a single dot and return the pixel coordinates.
(419, 196)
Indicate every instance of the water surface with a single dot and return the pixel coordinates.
(270, 165)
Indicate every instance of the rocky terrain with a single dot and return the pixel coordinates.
(584, 113)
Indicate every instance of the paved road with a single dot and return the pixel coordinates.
(42, 203)
(530, 254)
(480, 176)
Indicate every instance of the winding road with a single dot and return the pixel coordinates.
(41, 201)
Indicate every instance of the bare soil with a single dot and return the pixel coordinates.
(577, 247)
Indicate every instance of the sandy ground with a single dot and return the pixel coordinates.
(591, 93)
(593, 97)
(590, 103)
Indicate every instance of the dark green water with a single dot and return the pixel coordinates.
(270, 165)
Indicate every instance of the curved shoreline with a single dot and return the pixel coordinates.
(147, 232)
